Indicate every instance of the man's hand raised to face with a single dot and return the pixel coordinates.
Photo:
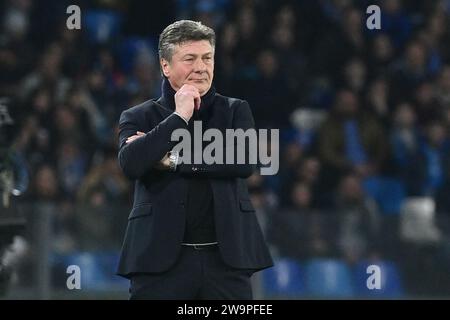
(186, 100)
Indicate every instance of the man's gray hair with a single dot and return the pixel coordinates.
(180, 32)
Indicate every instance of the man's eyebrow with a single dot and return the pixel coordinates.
(196, 55)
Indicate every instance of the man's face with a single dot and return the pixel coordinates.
(192, 63)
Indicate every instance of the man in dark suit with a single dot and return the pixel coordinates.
(192, 232)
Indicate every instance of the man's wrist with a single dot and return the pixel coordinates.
(173, 160)
(184, 119)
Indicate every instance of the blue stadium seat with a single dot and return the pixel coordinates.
(184, 6)
(131, 47)
(328, 278)
(390, 280)
(101, 26)
(284, 279)
(109, 261)
(388, 193)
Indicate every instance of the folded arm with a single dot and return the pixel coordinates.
(140, 155)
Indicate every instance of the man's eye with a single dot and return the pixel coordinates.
(189, 59)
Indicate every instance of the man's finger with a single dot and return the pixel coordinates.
(197, 102)
(137, 135)
(134, 137)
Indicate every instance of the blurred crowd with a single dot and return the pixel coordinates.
(356, 108)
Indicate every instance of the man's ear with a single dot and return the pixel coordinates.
(165, 67)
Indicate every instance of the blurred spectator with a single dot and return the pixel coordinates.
(75, 53)
(350, 139)
(355, 75)
(308, 171)
(34, 142)
(348, 34)
(381, 56)
(285, 46)
(71, 166)
(427, 107)
(431, 166)
(48, 74)
(263, 201)
(404, 140)
(443, 87)
(100, 198)
(433, 36)
(410, 71)
(209, 12)
(104, 184)
(358, 220)
(289, 163)
(45, 186)
(269, 93)
(378, 100)
(68, 125)
(225, 58)
(93, 119)
(45, 194)
(15, 51)
(395, 22)
(299, 232)
(16, 19)
(144, 82)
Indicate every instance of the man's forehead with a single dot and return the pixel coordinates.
(195, 47)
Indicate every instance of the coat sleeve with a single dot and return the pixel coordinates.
(138, 157)
(243, 119)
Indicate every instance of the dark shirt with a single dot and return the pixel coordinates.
(200, 224)
(199, 213)
(199, 206)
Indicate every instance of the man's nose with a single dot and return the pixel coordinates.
(199, 66)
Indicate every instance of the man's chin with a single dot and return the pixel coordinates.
(202, 88)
